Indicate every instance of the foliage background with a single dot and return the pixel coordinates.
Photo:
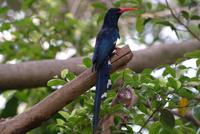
(46, 29)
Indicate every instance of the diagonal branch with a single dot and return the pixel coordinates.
(58, 99)
(179, 21)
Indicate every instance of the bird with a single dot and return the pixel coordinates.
(103, 51)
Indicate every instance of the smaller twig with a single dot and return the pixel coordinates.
(179, 21)
(156, 110)
(147, 120)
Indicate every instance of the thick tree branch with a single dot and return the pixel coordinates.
(37, 73)
(161, 54)
(58, 99)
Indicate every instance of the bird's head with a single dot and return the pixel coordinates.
(113, 14)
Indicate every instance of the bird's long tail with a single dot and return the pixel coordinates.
(101, 87)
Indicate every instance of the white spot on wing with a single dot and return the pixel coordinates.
(104, 95)
(109, 63)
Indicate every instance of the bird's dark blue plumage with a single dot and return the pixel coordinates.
(104, 47)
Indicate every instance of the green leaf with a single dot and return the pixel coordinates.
(117, 120)
(64, 114)
(60, 121)
(185, 14)
(22, 95)
(24, 22)
(196, 112)
(70, 76)
(148, 5)
(99, 5)
(139, 119)
(147, 72)
(142, 108)
(140, 24)
(154, 128)
(181, 1)
(87, 62)
(198, 73)
(5, 26)
(184, 92)
(139, 12)
(194, 54)
(55, 82)
(11, 107)
(118, 3)
(64, 73)
(173, 83)
(198, 62)
(195, 17)
(27, 3)
(169, 70)
(117, 108)
(167, 119)
(3, 10)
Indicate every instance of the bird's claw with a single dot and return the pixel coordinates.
(116, 51)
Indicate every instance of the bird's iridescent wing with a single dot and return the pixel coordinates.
(105, 44)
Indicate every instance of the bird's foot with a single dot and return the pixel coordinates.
(116, 50)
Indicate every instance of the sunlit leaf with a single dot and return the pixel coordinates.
(64, 73)
(55, 82)
(139, 24)
(87, 62)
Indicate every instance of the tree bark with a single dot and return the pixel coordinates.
(156, 56)
(36, 73)
(58, 99)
